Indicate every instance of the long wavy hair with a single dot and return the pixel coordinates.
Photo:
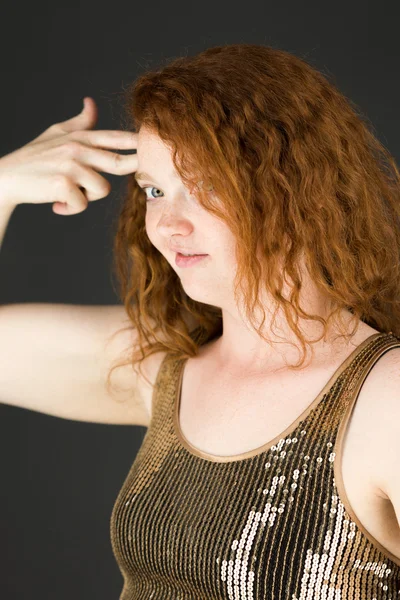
(289, 159)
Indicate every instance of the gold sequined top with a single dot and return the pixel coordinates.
(270, 524)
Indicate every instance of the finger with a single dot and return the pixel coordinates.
(71, 199)
(114, 139)
(94, 185)
(107, 162)
(62, 208)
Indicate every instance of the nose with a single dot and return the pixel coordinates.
(172, 223)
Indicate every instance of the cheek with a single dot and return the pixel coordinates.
(225, 242)
(150, 226)
(150, 221)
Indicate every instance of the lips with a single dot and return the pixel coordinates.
(188, 261)
(179, 251)
(183, 250)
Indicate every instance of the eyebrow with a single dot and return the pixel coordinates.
(142, 175)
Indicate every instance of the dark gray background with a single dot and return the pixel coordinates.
(60, 478)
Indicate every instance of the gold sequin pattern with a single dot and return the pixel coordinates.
(271, 526)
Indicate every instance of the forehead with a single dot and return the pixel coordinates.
(154, 156)
(148, 139)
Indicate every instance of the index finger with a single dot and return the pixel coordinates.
(123, 140)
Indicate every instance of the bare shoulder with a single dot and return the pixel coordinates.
(385, 374)
(387, 387)
(381, 389)
(380, 421)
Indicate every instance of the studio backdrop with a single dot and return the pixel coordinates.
(60, 477)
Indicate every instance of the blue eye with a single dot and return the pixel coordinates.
(150, 188)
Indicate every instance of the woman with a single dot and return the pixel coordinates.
(259, 476)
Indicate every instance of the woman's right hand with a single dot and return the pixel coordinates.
(61, 164)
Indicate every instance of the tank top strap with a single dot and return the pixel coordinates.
(167, 376)
(165, 387)
(355, 375)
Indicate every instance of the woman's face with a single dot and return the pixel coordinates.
(176, 220)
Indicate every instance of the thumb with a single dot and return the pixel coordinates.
(86, 119)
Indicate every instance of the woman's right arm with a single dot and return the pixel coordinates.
(55, 358)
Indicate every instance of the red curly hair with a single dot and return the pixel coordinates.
(286, 153)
